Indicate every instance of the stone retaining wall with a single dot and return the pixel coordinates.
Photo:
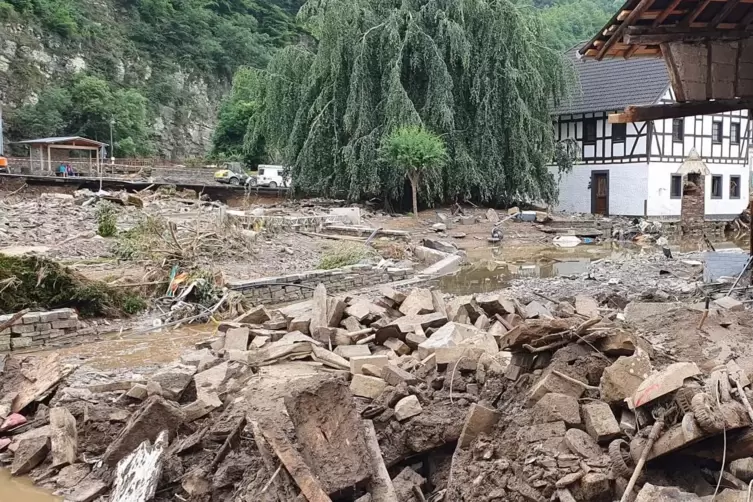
(269, 291)
(38, 329)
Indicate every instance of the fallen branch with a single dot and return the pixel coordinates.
(13, 319)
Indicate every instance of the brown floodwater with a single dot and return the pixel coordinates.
(13, 489)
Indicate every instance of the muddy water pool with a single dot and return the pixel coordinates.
(13, 489)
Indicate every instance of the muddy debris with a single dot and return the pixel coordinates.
(408, 396)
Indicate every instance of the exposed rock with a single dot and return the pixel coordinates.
(64, 439)
(395, 376)
(587, 306)
(367, 386)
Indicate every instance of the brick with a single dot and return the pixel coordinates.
(356, 363)
(600, 422)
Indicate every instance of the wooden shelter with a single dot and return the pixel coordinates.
(46, 153)
(706, 45)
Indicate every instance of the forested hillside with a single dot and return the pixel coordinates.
(156, 69)
(571, 21)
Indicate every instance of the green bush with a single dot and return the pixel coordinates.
(107, 219)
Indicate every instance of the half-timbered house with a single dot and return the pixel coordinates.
(632, 168)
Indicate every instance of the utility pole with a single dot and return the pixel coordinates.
(112, 145)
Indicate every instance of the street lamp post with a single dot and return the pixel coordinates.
(112, 146)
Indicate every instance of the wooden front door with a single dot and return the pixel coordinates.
(600, 192)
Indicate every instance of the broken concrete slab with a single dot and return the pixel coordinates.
(137, 475)
(418, 302)
(407, 407)
(256, 315)
(154, 416)
(536, 310)
(237, 338)
(349, 351)
(30, 453)
(587, 306)
(87, 490)
(401, 326)
(448, 265)
(356, 363)
(329, 358)
(479, 420)
(64, 439)
(329, 427)
(582, 444)
(599, 421)
(371, 370)
(439, 245)
(554, 407)
(623, 377)
(209, 381)
(367, 386)
(729, 303)
(396, 296)
(174, 379)
(351, 324)
(428, 255)
(201, 407)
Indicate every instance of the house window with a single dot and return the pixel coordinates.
(734, 133)
(619, 131)
(589, 131)
(716, 187)
(675, 188)
(734, 187)
(716, 131)
(678, 130)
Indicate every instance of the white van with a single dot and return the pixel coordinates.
(271, 176)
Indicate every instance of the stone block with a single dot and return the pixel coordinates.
(138, 391)
(64, 439)
(407, 407)
(495, 303)
(742, 468)
(543, 432)
(154, 416)
(594, 487)
(622, 378)
(349, 351)
(418, 302)
(371, 370)
(396, 296)
(63, 324)
(45, 327)
(367, 386)
(550, 382)
(256, 315)
(30, 453)
(20, 342)
(394, 376)
(237, 339)
(479, 420)
(729, 303)
(356, 363)
(554, 407)
(600, 422)
(30, 318)
(582, 444)
(49, 316)
(174, 379)
(413, 340)
(21, 329)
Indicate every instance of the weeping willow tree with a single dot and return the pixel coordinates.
(473, 71)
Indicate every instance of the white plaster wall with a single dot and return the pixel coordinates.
(660, 203)
(628, 185)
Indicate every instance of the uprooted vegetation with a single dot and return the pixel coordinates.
(39, 283)
(345, 253)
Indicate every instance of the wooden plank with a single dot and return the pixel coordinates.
(632, 50)
(666, 12)
(678, 110)
(294, 464)
(642, 6)
(663, 35)
(728, 7)
(380, 486)
(695, 13)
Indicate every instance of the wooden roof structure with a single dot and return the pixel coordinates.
(641, 26)
(65, 141)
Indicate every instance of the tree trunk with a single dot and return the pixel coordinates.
(414, 187)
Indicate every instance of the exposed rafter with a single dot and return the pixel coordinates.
(642, 6)
(678, 110)
(656, 36)
(726, 10)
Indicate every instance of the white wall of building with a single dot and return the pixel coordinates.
(628, 186)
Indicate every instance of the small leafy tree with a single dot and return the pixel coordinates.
(418, 154)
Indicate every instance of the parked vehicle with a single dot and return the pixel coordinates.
(4, 164)
(272, 176)
(231, 173)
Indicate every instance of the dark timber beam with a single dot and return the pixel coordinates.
(728, 7)
(678, 110)
(696, 12)
(642, 7)
(656, 36)
(666, 12)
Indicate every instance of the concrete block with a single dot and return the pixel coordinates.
(729, 303)
(555, 407)
(356, 363)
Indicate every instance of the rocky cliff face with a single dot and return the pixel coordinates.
(31, 62)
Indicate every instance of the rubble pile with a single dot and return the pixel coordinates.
(417, 397)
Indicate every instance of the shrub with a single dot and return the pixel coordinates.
(344, 254)
(107, 219)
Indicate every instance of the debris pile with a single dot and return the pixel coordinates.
(417, 397)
